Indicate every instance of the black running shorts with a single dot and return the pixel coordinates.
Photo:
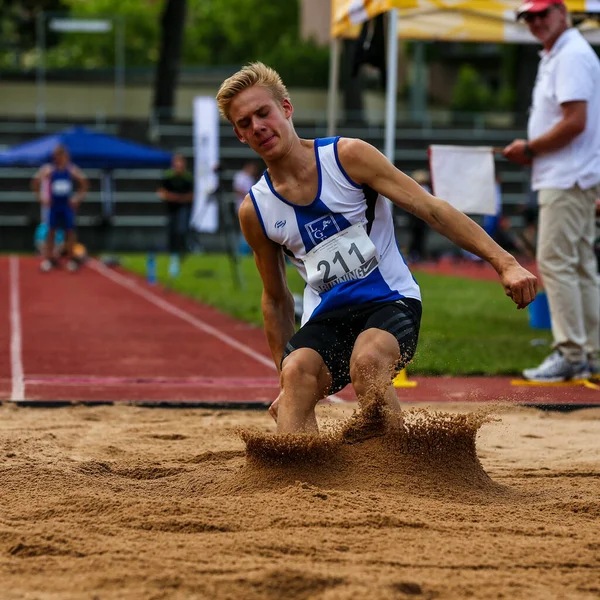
(333, 334)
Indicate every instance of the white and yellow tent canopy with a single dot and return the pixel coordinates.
(456, 20)
(447, 20)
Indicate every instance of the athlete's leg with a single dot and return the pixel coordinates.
(68, 218)
(48, 252)
(49, 245)
(70, 241)
(372, 366)
(387, 344)
(305, 379)
(316, 363)
(70, 237)
(391, 399)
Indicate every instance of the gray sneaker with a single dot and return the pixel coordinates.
(557, 368)
(593, 365)
(46, 266)
(72, 266)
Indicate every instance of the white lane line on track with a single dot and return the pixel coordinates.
(99, 381)
(16, 346)
(153, 298)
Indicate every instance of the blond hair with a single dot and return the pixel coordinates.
(255, 73)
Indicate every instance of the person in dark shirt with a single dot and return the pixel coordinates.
(177, 191)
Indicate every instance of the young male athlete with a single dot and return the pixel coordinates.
(322, 203)
(62, 202)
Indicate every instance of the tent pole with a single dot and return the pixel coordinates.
(334, 78)
(392, 84)
(107, 190)
(107, 193)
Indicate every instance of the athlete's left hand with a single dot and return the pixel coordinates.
(519, 284)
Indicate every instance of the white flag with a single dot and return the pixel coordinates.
(465, 177)
(592, 6)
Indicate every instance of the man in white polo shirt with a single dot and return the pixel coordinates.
(564, 151)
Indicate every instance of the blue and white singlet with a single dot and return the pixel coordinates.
(343, 244)
(61, 187)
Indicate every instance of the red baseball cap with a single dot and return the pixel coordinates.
(534, 6)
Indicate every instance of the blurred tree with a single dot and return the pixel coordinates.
(506, 96)
(18, 27)
(217, 33)
(141, 19)
(470, 93)
(167, 72)
(526, 71)
(261, 30)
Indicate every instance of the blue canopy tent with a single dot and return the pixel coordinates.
(89, 149)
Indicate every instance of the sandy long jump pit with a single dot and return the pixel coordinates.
(127, 502)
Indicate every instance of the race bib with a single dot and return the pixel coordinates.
(62, 187)
(345, 256)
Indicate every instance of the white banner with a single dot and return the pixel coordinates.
(205, 211)
(465, 177)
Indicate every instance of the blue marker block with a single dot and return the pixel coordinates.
(151, 269)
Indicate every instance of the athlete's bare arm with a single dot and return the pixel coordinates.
(366, 165)
(82, 181)
(36, 182)
(277, 301)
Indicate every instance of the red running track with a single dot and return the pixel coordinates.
(99, 335)
(102, 335)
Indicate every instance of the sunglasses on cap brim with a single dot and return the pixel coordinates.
(530, 17)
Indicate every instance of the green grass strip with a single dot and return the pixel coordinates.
(469, 327)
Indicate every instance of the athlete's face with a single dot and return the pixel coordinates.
(61, 158)
(262, 122)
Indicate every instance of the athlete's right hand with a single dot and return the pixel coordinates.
(519, 284)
